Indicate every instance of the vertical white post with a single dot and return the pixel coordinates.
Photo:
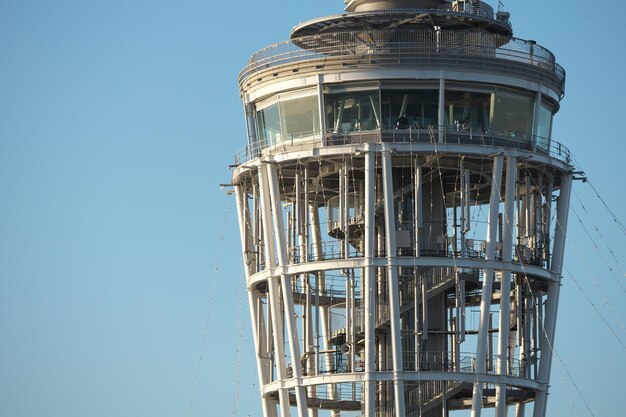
(552, 301)
(303, 212)
(346, 210)
(285, 281)
(462, 201)
(370, 282)
(468, 217)
(257, 247)
(417, 207)
(485, 303)
(505, 285)
(392, 284)
(302, 197)
(547, 225)
(308, 333)
(460, 283)
(459, 326)
(418, 224)
(442, 103)
(274, 294)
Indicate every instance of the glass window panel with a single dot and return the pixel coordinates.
(544, 125)
(410, 108)
(513, 115)
(467, 111)
(352, 111)
(300, 117)
(268, 121)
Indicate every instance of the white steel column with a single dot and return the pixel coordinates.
(285, 281)
(370, 282)
(485, 303)
(253, 298)
(418, 214)
(274, 295)
(442, 103)
(505, 285)
(418, 225)
(552, 301)
(548, 217)
(392, 284)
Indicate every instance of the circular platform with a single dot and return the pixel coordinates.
(401, 18)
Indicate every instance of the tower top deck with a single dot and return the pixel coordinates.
(394, 14)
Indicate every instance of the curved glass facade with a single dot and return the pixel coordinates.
(468, 111)
(288, 119)
(352, 111)
(544, 126)
(406, 108)
(352, 108)
(299, 118)
(513, 115)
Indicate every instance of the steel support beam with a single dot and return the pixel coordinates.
(485, 304)
(274, 294)
(370, 282)
(392, 283)
(285, 283)
(505, 285)
(552, 301)
(258, 322)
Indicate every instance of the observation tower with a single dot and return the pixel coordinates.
(403, 211)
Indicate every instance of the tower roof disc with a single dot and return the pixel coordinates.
(445, 18)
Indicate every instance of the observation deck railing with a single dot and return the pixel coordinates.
(552, 149)
(418, 46)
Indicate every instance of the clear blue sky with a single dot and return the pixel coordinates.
(118, 120)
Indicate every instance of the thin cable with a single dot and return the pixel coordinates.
(569, 395)
(596, 309)
(572, 379)
(600, 234)
(242, 331)
(613, 216)
(582, 224)
(617, 221)
(205, 330)
(599, 288)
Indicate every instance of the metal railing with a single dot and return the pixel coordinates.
(553, 149)
(464, 362)
(340, 392)
(476, 249)
(417, 45)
